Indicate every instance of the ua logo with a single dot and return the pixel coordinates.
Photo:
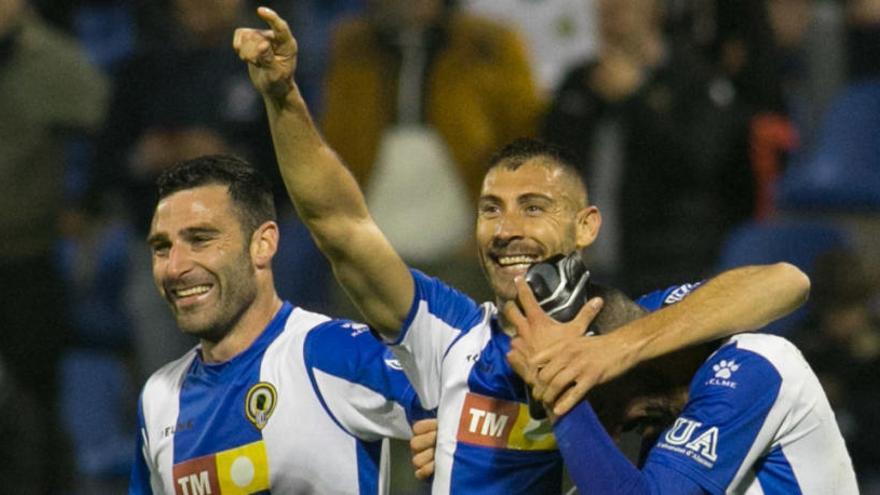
(704, 444)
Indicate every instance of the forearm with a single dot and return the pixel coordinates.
(320, 186)
(331, 204)
(597, 466)
(739, 300)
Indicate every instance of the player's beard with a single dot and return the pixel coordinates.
(237, 292)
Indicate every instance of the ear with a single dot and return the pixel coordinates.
(264, 244)
(588, 221)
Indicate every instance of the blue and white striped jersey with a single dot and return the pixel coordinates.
(453, 352)
(757, 422)
(303, 410)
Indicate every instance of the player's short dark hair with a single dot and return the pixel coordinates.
(250, 191)
(516, 153)
(618, 309)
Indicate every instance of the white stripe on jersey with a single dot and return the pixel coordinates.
(801, 423)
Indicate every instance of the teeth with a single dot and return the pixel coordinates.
(516, 260)
(192, 291)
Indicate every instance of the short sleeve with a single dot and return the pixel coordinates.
(439, 315)
(728, 421)
(658, 299)
(359, 382)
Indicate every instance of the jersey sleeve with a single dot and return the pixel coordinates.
(658, 299)
(360, 383)
(439, 315)
(597, 466)
(728, 421)
(139, 482)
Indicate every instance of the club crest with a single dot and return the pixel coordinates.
(259, 403)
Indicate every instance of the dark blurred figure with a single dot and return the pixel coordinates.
(664, 145)
(418, 95)
(842, 343)
(23, 450)
(863, 38)
(48, 93)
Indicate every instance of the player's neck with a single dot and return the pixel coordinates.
(245, 331)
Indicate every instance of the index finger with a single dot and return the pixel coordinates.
(526, 297)
(279, 26)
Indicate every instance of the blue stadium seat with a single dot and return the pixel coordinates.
(97, 396)
(843, 173)
(798, 243)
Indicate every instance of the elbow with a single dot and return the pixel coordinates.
(796, 280)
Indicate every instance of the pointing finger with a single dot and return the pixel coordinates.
(279, 26)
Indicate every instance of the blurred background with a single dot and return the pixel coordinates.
(712, 133)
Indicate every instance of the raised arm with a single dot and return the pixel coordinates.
(737, 300)
(324, 192)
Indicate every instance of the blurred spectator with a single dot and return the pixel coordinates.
(842, 343)
(809, 36)
(418, 96)
(559, 32)
(664, 146)
(22, 453)
(50, 92)
(863, 38)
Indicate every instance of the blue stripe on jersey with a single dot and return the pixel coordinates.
(653, 301)
(481, 470)
(368, 458)
(458, 310)
(492, 375)
(214, 394)
(349, 351)
(730, 397)
(139, 483)
(775, 474)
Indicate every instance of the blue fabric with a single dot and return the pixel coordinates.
(657, 299)
(730, 398)
(479, 470)
(776, 475)
(139, 484)
(597, 466)
(199, 398)
(458, 310)
(348, 350)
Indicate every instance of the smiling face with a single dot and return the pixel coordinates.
(201, 260)
(526, 215)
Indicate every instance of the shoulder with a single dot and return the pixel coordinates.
(167, 380)
(750, 365)
(445, 303)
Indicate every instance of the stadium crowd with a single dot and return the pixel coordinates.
(712, 134)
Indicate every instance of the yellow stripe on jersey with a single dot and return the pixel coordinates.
(529, 434)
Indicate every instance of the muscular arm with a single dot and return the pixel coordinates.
(738, 300)
(324, 192)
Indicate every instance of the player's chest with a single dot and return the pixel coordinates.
(484, 402)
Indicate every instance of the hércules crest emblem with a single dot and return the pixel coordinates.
(260, 403)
